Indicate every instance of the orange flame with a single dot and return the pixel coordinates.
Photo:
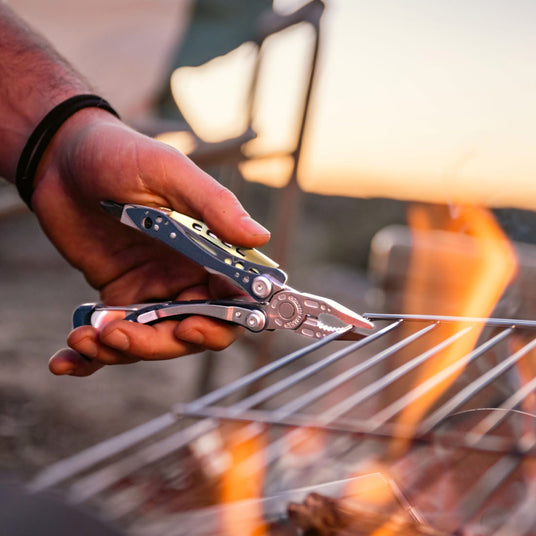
(242, 483)
(461, 264)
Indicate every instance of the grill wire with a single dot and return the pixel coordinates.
(465, 466)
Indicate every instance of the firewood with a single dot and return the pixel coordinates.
(324, 516)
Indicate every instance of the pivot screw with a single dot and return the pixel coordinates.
(262, 286)
(255, 321)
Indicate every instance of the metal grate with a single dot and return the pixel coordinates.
(445, 406)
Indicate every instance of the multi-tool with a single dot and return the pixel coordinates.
(274, 305)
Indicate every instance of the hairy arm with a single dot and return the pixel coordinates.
(33, 79)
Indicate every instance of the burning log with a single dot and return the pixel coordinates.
(324, 516)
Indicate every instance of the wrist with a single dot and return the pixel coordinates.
(47, 135)
(35, 78)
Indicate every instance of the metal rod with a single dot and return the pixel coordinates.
(65, 469)
(520, 521)
(379, 385)
(468, 392)
(96, 482)
(476, 497)
(363, 429)
(499, 414)
(492, 322)
(412, 396)
(256, 375)
(315, 394)
(293, 379)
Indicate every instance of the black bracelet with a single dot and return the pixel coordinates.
(42, 136)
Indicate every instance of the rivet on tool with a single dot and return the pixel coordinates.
(255, 320)
(262, 287)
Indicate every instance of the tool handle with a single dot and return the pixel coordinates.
(245, 314)
(191, 238)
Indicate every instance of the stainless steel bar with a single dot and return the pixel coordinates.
(256, 375)
(492, 322)
(443, 375)
(498, 415)
(468, 392)
(83, 461)
(480, 493)
(521, 521)
(321, 390)
(89, 486)
(65, 469)
(363, 428)
(293, 379)
(374, 388)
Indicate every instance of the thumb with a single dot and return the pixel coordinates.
(217, 206)
(228, 219)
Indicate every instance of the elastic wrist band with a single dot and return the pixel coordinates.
(42, 136)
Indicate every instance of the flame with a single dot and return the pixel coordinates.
(242, 483)
(377, 493)
(461, 264)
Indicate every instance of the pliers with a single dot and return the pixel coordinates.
(275, 305)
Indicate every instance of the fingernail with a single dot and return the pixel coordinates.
(116, 339)
(254, 227)
(87, 347)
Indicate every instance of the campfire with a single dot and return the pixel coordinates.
(426, 426)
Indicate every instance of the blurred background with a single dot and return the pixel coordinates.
(327, 119)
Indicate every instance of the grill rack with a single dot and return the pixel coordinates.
(354, 393)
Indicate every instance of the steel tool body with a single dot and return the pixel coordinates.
(274, 305)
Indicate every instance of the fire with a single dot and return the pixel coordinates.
(461, 264)
(242, 482)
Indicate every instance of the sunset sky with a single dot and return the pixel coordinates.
(417, 99)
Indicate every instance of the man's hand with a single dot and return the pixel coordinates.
(96, 157)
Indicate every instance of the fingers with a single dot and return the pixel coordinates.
(167, 339)
(224, 214)
(70, 362)
(187, 185)
(122, 342)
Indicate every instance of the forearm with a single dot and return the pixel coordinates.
(33, 79)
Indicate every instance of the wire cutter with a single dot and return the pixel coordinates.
(275, 305)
